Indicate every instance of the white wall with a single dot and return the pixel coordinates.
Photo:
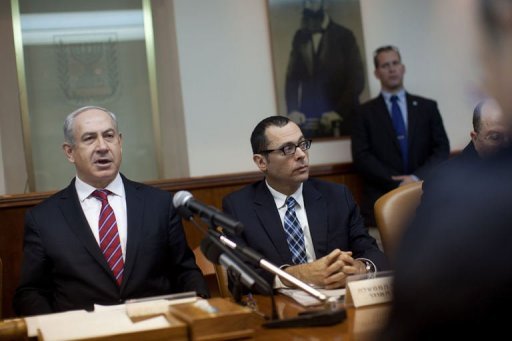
(227, 77)
(227, 82)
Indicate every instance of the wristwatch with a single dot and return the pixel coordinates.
(368, 265)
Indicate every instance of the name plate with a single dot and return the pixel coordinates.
(369, 289)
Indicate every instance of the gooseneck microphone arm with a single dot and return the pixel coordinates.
(210, 214)
(258, 260)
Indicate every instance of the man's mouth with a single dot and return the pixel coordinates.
(102, 162)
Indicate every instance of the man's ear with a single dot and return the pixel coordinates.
(473, 134)
(260, 161)
(68, 150)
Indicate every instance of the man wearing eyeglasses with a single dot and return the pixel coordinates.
(490, 135)
(320, 238)
(490, 131)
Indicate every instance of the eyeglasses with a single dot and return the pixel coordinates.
(496, 138)
(289, 149)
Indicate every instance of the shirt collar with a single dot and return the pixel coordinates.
(280, 198)
(84, 190)
(400, 94)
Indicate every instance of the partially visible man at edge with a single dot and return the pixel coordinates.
(453, 272)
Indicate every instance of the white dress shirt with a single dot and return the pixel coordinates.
(300, 211)
(92, 207)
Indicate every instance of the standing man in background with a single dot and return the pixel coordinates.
(325, 74)
(103, 239)
(397, 137)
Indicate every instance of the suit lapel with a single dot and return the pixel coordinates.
(412, 117)
(316, 210)
(77, 222)
(268, 215)
(135, 217)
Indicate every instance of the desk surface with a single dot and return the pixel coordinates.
(361, 324)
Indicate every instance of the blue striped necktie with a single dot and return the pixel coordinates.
(294, 233)
(110, 243)
(401, 132)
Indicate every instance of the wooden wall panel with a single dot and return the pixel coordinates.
(209, 190)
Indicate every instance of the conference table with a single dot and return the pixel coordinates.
(361, 324)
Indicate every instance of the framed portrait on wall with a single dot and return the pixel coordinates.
(319, 67)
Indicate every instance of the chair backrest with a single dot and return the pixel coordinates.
(218, 287)
(222, 280)
(394, 211)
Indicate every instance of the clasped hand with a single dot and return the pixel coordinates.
(328, 272)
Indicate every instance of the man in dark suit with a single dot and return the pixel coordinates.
(80, 250)
(454, 268)
(325, 74)
(333, 241)
(385, 158)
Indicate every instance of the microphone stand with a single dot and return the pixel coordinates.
(214, 236)
(258, 260)
(331, 315)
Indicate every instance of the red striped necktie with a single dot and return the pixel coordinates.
(110, 243)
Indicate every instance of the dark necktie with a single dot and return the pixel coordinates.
(110, 242)
(294, 233)
(401, 131)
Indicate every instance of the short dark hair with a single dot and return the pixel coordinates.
(386, 48)
(258, 138)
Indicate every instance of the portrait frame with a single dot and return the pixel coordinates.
(312, 98)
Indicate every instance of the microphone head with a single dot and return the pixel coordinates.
(210, 250)
(181, 198)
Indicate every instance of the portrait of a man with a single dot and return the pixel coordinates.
(323, 75)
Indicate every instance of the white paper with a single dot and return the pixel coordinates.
(33, 322)
(95, 324)
(306, 299)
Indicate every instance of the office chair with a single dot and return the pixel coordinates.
(222, 280)
(214, 274)
(394, 211)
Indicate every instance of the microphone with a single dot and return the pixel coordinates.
(215, 253)
(258, 260)
(210, 214)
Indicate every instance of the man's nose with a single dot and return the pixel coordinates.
(299, 153)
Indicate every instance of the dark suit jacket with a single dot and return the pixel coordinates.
(333, 218)
(64, 268)
(376, 152)
(330, 79)
(453, 272)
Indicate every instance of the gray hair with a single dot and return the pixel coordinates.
(70, 120)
